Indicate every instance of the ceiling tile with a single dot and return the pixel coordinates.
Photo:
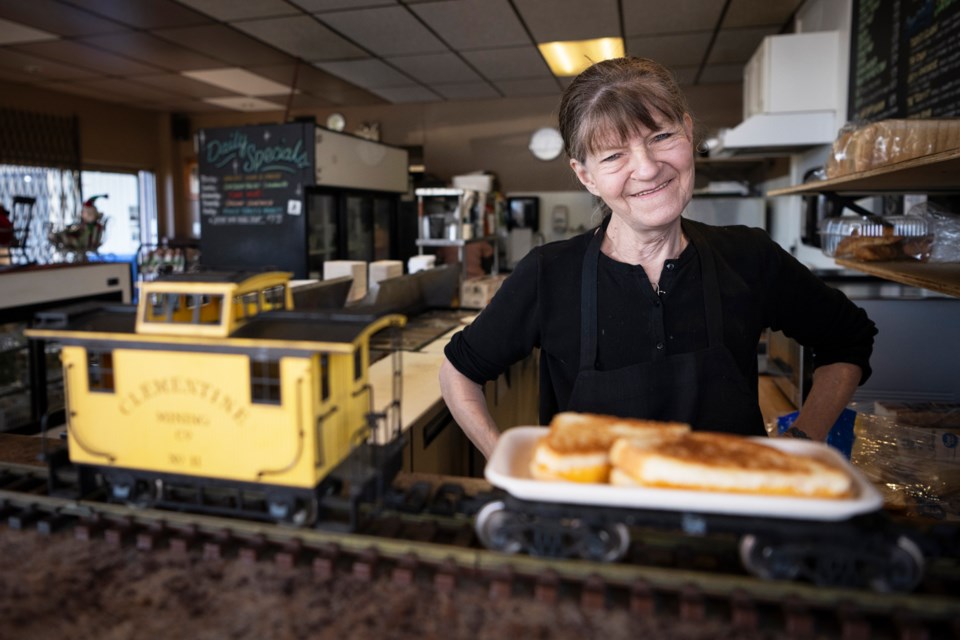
(314, 6)
(86, 91)
(671, 50)
(508, 64)
(240, 81)
(385, 31)
(755, 13)
(234, 10)
(466, 91)
(142, 14)
(192, 106)
(526, 88)
(406, 94)
(714, 73)
(474, 24)
(152, 50)
(224, 43)
(14, 32)
(685, 75)
(676, 16)
(302, 36)
(552, 20)
(55, 17)
(319, 83)
(76, 53)
(370, 73)
(737, 45)
(41, 68)
(244, 103)
(129, 88)
(183, 86)
(435, 68)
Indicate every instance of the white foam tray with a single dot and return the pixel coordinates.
(508, 468)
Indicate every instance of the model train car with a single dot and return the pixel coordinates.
(213, 395)
(840, 542)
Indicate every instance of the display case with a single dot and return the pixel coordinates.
(935, 173)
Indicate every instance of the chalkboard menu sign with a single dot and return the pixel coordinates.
(904, 59)
(252, 182)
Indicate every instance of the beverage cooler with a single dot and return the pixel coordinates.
(290, 196)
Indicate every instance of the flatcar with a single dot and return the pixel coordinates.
(212, 394)
(841, 542)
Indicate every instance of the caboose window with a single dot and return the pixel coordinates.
(176, 308)
(357, 364)
(265, 381)
(324, 377)
(100, 371)
(275, 298)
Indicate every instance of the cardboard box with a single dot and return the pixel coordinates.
(476, 293)
(357, 269)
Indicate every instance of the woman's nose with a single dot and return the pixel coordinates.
(643, 163)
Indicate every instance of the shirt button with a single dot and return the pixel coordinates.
(659, 346)
(670, 266)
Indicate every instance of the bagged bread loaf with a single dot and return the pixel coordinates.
(887, 142)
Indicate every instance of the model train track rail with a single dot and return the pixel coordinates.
(406, 546)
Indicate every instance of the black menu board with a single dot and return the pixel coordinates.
(252, 181)
(904, 59)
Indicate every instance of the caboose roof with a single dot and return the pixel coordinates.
(337, 332)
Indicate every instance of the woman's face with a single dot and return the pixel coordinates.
(647, 180)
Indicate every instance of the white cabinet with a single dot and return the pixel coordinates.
(794, 72)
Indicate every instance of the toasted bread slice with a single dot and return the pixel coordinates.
(706, 461)
(577, 447)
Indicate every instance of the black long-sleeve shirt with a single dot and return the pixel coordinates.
(761, 286)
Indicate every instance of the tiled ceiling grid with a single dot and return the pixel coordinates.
(158, 54)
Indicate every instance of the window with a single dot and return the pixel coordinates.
(177, 308)
(100, 370)
(265, 381)
(357, 364)
(275, 297)
(324, 377)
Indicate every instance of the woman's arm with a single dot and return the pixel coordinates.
(833, 387)
(467, 404)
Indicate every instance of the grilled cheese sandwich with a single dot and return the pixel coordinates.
(577, 447)
(706, 461)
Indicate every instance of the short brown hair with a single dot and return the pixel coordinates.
(616, 97)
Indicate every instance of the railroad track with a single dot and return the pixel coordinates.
(420, 538)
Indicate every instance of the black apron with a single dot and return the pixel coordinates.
(703, 388)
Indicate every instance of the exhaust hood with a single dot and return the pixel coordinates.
(777, 133)
(791, 96)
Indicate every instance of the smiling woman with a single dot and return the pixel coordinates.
(666, 320)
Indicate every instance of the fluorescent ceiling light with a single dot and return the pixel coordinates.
(244, 103)
(571, 57)
(14, 32)
(240, 81)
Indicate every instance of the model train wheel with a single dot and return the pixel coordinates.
(902, 570)
(132, 491)
(290, 509)
(764, 559)
(497, 528)
(605, 543)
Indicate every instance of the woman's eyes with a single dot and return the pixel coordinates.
(660, 137)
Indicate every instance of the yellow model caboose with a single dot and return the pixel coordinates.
(213, 394)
